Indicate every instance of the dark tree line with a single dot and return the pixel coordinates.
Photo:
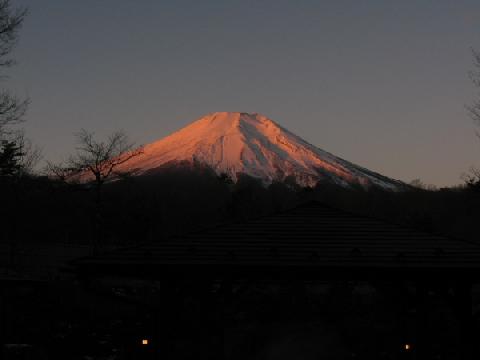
(182, 197)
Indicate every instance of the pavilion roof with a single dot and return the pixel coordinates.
(311, 240)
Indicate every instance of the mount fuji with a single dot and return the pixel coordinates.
(236, 143)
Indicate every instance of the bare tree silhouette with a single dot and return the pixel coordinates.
(17, 156)
(96, 162)
(12, 108)
(472, 179)
(99, 160)
(474, 109)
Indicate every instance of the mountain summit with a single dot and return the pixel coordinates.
(250, 143)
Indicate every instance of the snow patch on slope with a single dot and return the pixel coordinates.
(234, 142)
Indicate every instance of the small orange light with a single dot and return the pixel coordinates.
(407, 347)
(145, 342)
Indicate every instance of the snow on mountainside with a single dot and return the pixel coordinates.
(233, 143)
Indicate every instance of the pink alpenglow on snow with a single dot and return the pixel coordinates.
(252, 144)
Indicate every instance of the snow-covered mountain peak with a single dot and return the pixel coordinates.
(221, 123)
(250, 143)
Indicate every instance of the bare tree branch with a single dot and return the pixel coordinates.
(12, 109)
(474, 109)
(11, 21)
(472, 179)
(96, 160)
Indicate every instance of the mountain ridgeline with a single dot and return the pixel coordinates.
(234, 143)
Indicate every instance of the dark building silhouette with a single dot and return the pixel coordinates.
(308, 244)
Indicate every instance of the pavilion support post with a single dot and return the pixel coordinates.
(167, 321)
(159, 333)
(226, 293)
(2, 324)
(422, 338)
(463, 309)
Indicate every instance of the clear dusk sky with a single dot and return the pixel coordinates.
(383, 84)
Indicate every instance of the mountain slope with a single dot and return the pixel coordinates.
(233, 143)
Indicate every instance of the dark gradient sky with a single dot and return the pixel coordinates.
(380, 83)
